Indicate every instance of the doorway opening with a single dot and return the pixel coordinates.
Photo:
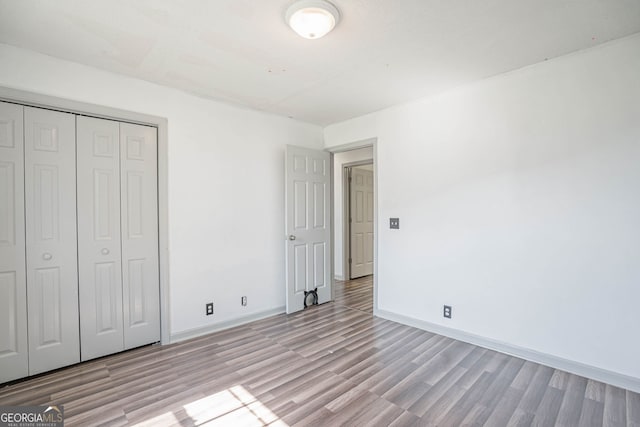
(354, 227)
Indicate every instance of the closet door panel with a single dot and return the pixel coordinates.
(13, 283)
(99, 254)
(139, 205)
(52, 275)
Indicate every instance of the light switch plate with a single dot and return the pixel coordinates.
(394, 223)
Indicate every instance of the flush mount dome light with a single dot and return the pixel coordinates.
(312, 19)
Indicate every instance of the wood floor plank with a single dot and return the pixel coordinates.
(406, 419)
(547, 412)
(379, 415)
(432, 371)
(406, 392)
(361, 374)
(434, 393)
(380, 412)
(506, 407)
(451, 395)
(355, 408)
(615, 402)
(571, 408)
(299, 412)
(592, 413)
(633, 409)
(332, 364)
(494, 393)
(524, 377)
(532, 397)
(595, 391)
(459, 408)
(317, 418)
(354, 361)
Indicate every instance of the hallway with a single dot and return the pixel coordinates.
(356, 294)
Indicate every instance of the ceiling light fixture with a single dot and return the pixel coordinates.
(312, 19)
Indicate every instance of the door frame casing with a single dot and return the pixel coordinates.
(37, 100)
(370, 142)
(346, 210)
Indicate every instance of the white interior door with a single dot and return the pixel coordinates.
(361, 222)
(99, 255)
(139, 203)
(14, 358)
(308, 226)
(52, 272)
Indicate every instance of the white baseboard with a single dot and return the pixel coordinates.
(341, 278)
(220, 326)
(588, 371)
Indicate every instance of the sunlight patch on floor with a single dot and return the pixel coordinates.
(234, 406)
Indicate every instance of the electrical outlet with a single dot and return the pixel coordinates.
(394, 223)
(209, 308)
(447, 311)
(243, 301)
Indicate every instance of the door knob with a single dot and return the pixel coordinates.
(292, 237)
(47, 256)
(105, 251)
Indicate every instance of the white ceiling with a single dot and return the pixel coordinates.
(383, 52)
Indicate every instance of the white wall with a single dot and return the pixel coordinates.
(226, 184)
(339, 160)
(519, 205)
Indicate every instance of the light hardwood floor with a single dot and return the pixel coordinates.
(356, 294)
(333, 364)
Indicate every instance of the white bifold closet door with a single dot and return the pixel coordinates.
(99, 243)
(14, 355)
(118, 236)
(51, 244)
(139, 226)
